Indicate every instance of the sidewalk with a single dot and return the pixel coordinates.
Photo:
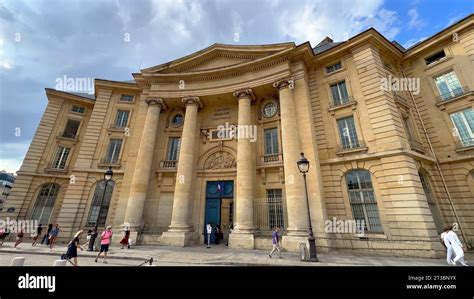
(222, 255)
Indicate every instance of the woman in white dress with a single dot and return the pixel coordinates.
(457, 247)
(449, 248)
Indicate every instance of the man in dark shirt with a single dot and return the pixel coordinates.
(94, 234)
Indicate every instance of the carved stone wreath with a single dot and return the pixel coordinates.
(220, 160)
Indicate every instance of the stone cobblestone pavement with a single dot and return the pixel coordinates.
(222, 255)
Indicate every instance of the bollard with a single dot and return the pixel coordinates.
(18, 262)
(60, 263)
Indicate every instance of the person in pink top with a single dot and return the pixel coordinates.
(105, 239)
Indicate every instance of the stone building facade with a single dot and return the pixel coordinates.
(399, 159)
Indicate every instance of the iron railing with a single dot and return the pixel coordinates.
(342, 102)
(56, 167)
(269, 213)
(347, 146)
(452, 94)
(168, 164)
(110, 161)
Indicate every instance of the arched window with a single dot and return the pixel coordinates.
(100, 203)
(435, 212)
(362, 200)
(45, 203)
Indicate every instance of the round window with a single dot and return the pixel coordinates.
(270, 109)
(177, 120)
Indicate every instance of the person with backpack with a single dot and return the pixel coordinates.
(105, 239)
(46, 236)
(72, 248)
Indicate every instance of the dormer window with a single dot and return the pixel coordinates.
(435, 57)
(333, 67)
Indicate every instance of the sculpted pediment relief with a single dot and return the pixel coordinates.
(220, 160)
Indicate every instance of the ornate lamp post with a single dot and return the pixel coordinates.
(107, 177)
(303, 166)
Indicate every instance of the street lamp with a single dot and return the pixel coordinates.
(107, 177)
(303, 166)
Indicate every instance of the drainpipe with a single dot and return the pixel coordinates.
(438, 167)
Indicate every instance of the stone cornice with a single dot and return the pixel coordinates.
(68, 96)
(244, 93)
(192, 101)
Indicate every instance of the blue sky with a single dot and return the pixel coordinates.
(41, 41)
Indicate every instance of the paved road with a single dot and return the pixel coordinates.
(48, 260)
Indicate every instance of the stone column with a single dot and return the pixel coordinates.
(297, 210)
(181, 230)
(141, 174)
(242, 235)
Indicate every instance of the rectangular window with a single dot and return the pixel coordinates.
(448, 86)
(61, 157)
(347, 133)
(78, 109)
(464, 123)
(72, 126)
(333, 67)
(275, 209)
(339, 93)
(271, 141)
(406, 124)
(173, 149)
(435, 57)
(126, 98)
(113, 152)
(121, 120)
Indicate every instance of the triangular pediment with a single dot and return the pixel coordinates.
(218, 56)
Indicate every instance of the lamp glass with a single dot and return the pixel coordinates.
(303, 164)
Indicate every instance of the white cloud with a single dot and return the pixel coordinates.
(413, 41)
(415, 22)
(313, 20)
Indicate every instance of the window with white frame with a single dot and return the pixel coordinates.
(61, 157)
(271, 141)
(174, 144)
(121, 120)
(113, 152)
(448, 86)
(339, 93)
(362, 200)
(348, 133)
(464, 126)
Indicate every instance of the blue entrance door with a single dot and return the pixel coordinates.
(215, 191)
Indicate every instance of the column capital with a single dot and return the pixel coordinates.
(156, 101)
(244, 93)
(284, 83)
(192, 101)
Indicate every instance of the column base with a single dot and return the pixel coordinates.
(177, 238)
(241, 240)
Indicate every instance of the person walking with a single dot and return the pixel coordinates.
(209, 232)
(19, 238)
(46, 236)
(217, 234)
(53, 235)
(276, 241)
(124, 241)
(105, 239)
(94, 234)
(39, 229)
(72, 247)
(449, 248)
(3, 234)
(457, 247)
